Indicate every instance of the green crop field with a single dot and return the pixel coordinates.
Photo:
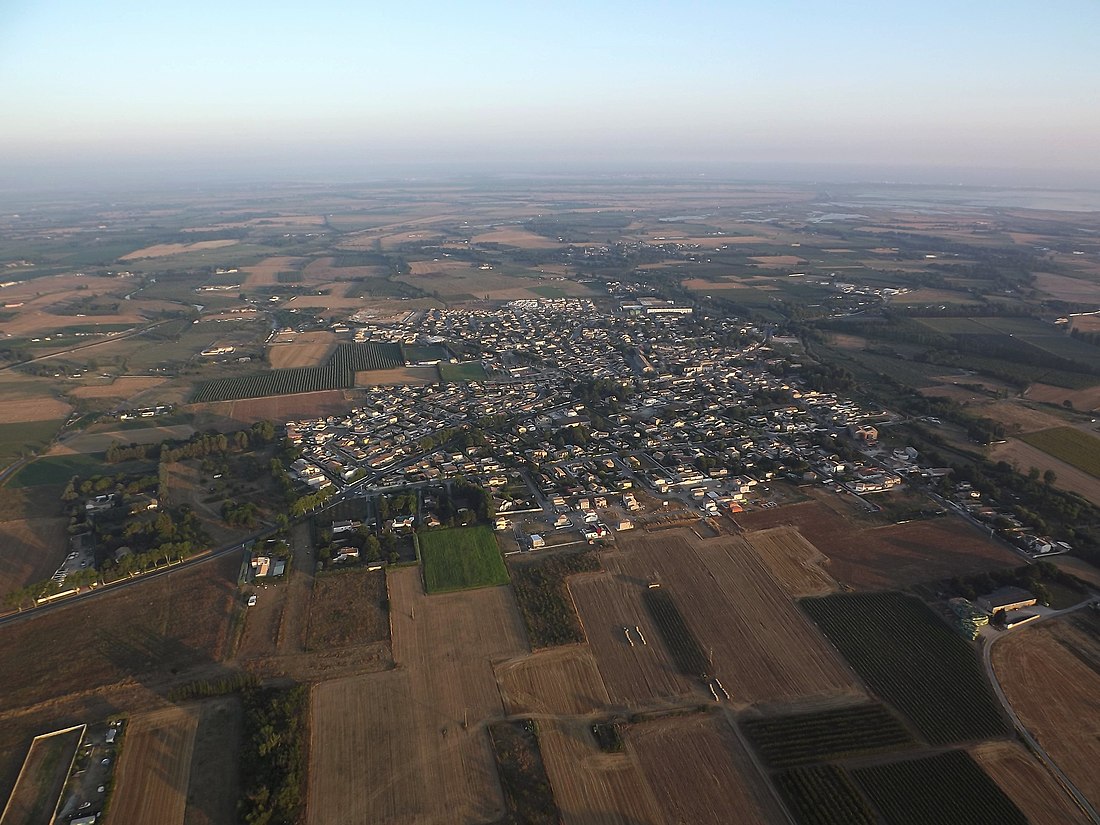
(58, 469)
(1076, 448)
(469, 371)
(823, 795)
(787, 741)
(948, 787)
(911, 658)
(461, 558)
(16, 439)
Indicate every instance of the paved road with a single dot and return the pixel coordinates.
(1044, 757)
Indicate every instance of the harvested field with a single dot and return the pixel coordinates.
(99, 442)
(593, 786)
(154, 770)
(796, 564)
(517, 237)
(31, 550)
(148, 634)
(878, 558)
(1067, 289)
(266, 271)
(403, 376)
(1028, 784)
(215, 782)
(1023, 456)
(1018, 418)
(125, 386)
(279, 407)
(404, 728)
(42, 778)
(1086, 400)
(306, 349)
(164, 250)
(1051, 675)
(348, 608)
(699, 772)
(43, 408)
(562, 681)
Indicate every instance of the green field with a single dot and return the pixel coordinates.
(461, 558)
(469, 371)
(823, 795)
(1076, 448)
(948, 787)
(58, 469)
(17, 439)
(911, 658)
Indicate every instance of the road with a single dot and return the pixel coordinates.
(1044, 757)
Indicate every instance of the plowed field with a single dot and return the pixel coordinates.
(1028, 784)
(562, 681)
(155, 767)
(795, 563)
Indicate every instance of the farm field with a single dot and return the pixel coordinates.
(56, 469)
(794, 562)
(164, 250)
(31, 550)
(1068, 444)
(347, 607)
(698, 771)
(1028, 784)
(522, 771)
(1024, 456)
(275, 408)
(460, 558)
(404, 728)
(122, 387)
(42, 778)
(877, 558)
(407, 376)
(1051, 676)
(214, 786)
(948, 787)
(1086, 399)
(16, 410)
(154, 769)
(306, 349)
(267, 271)
(25, 436)
(823, 795)
(564, 681)
(543, 598)
(911, 658)
(99, 442)
(457, 373)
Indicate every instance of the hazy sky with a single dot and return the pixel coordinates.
(300, 85)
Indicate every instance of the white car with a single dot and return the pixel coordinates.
(251, 601)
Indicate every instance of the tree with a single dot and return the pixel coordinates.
(1049, 477)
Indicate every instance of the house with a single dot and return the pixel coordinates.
(537, 541)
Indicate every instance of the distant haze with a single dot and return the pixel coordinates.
(973, 93)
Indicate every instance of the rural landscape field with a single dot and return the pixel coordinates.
(549, 501)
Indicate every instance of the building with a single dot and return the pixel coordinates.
(1006, 598)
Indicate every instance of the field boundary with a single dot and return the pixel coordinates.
(76, 751)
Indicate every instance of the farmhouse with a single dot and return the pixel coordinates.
(1006, 598)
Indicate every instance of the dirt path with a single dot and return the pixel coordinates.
(291, 637)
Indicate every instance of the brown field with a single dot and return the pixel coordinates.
(44, 408)
(278, 407)
(877, 558)
(517, 237)
(124, 386)
(1024, 456)
(1028, 784)
(778, 260)
(1080, 568)
(348, 608)
(796, 564)
(561, 681)
(379, 740)
(146, 634)
(36, 322)
(163, 250)
(215, 783)
(724, 239)
(1067, 289)
(699, 772)
(1018, 418)
(1086, 323)
(154, 769)
(1051, 675)
(98, 442)
(39, 502)
(42, 779)
(307, 349)
(329, 305)
(265, 272)
(412, 376)
(591, 786)
(31, 550)
(1086, 400)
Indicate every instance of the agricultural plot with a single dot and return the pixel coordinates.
(349, 607)
(42, 778)
(1075, 447)
(155, 767)
(25, 437)
(806, 738)
(795, 563)
(527, 791)
(948, 787)
(690, 659)
(908, 656)
(458, 373)
(544, 601)
(461, 558)
(823, 795)
(564, 681)
(1030, 786)
(31, 550)
(1024, 456)
(307, 349)
(214, 786)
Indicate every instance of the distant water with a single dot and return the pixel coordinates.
(1059, 200)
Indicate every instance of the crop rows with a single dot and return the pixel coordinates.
(364, 357)
(823, 795)
(908, 656)
(681, 642)
(948, 787)
(1077, 448)
(787, 741)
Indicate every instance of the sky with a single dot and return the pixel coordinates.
(299, 89)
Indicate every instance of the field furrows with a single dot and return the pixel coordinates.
(560, 681)
(155, 767)
(797, 565)
(1028, 784)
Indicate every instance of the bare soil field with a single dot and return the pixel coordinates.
(164, 250)
(1086, 323)
(1019, 418)
(560, 681)
(1024, 456)
(42, 779)
(124, 386)
(1067, 289)
(215, 782)
(778, 260)
(154, 769)
(98, 442)
(31, 550)
(699, 772)
(591, 786)
(328, 305)
(278, 407)
(43, 408)
(348, 608)
(1051, 675)
(306, 349)
(795, 563)
(517, 237)
(408, 376)
(149, 634)
(1086, 400)
(265, 272)
(1080, 568)
(1028, 784)
(379, 740)
(877, 558)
